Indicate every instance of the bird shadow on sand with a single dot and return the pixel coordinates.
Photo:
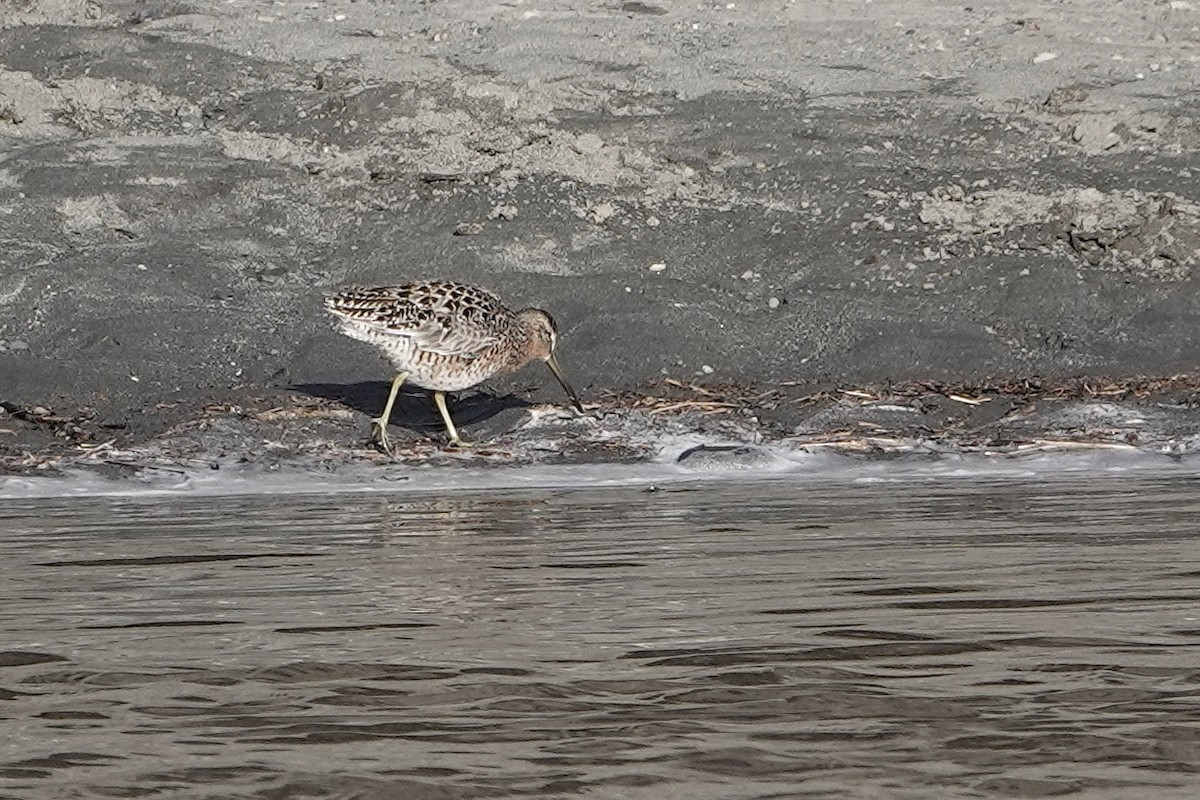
(414, 408)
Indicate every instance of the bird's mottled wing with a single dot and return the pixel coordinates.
(448, 319)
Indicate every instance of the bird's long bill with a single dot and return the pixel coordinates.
(552, 363)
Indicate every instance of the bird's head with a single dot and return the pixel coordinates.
(543, 336)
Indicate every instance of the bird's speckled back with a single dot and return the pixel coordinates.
(448, 336)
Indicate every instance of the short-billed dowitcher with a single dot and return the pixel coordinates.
(445, 337)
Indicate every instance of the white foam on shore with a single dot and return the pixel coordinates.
(729, 462)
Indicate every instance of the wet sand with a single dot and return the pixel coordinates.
(745, 197)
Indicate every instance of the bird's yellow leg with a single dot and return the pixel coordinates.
(379, 426)
(440, 399)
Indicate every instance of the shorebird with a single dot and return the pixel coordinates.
(445, 337)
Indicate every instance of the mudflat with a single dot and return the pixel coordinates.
(976, 224)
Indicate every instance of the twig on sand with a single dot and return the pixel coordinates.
(93, 450)
(704, 406)
(971, 401)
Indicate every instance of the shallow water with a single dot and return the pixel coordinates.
(959, 639)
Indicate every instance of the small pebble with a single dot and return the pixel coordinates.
(659, 267)
(588, 143)
(706, 369)
(468, 229)
(601, 212)
(1043, 57)
(773, 302)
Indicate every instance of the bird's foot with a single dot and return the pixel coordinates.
(379, 437)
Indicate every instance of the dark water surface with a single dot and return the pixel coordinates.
(962, 639)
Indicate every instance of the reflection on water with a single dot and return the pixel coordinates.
(776, 640)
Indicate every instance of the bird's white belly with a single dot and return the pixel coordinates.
(427, 370)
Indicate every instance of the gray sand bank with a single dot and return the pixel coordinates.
(754, 219)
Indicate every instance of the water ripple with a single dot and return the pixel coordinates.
(775, 640)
